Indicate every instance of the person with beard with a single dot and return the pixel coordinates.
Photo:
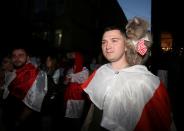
(26, 90)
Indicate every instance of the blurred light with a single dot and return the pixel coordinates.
(58, 37)
(166, 41)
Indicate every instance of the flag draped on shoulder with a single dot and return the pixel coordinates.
(30, 86)
(74, 96)
(131, 99)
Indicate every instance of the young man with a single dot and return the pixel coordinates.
(130, 97)
(26, 88)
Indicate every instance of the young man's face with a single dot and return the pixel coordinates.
(113, 45)
(19, 58)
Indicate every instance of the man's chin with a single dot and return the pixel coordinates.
(110, 59)
(18, 66)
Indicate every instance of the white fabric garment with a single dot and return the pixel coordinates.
(121, 95)
(80, 77)
(74, 108)
(36, 93)
(75, 105)
(56, 76)
(9, 76)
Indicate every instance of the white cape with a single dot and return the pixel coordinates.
(121, 95)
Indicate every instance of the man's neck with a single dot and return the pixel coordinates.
(119, 65)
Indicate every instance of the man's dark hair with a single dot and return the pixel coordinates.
(22, 48)
(109, 28)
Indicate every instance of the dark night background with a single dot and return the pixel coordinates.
(34, 24)
(81, 22)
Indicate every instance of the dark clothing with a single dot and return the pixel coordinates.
(12, 110)
(93, 123)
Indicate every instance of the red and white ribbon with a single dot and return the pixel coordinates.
(141, 48)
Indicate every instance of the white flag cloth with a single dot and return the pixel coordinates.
(74, 95)
(36, 93)
(129, 98)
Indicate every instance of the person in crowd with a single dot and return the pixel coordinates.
(26, 91)
(125, 96)
(6, 70)
(6, 73)
(74, 96)
(52, 68)
(52, 103)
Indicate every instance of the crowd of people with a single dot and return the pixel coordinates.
(68, 93)
(43, 92)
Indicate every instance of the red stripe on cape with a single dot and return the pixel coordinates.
(156, 115)
(25, 78)
(85, 84)
(74, 92)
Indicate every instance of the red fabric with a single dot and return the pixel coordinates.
(74, 92)
(25, 77)
(85, 84)
(78, 62)
(156, 114)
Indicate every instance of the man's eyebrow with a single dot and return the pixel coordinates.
(115, 38)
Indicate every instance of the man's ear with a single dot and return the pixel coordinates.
(125, 48)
